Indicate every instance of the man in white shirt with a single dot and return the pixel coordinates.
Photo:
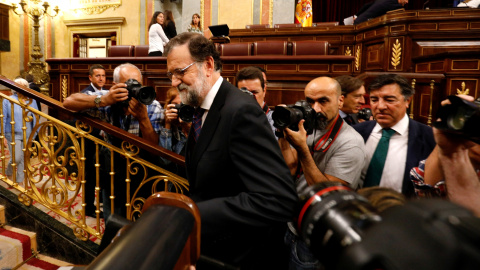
(410, 141)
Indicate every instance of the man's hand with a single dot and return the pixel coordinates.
(117, 93)
(297, 139)
(138, 110)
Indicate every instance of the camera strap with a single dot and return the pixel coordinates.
(328, 138)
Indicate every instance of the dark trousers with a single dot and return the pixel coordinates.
(157, 53)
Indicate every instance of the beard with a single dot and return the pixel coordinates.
(321, 121)
(194, 95)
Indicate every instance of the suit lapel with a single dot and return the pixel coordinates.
(211, 123)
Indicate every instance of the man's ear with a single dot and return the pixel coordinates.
(340, 101)
(209, 65)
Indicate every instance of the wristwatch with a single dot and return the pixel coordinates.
(97, 101)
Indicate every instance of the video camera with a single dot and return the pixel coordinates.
(145, 95)
(344, 231)
(289, 116)
(461, 117)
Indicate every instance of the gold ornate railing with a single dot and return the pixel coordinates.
(55, 163)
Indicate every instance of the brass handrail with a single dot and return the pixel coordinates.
(55, 163)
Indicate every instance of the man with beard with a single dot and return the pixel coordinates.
(237, 175)
(333, 152)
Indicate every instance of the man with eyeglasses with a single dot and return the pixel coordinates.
(237, 175)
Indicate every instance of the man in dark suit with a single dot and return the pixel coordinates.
(377, 8)
(97, 77)
(353, 93)
(410, 141)
(237, 175)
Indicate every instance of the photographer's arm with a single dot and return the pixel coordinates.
(289, 154)
(79, 101)
(140, 112)
(312, 174)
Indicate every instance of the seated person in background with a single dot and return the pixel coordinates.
(394, 143)
(353, 93)
(334, 152)
(174, 133)
(254, 80)
(17, 132)
(377, 8)
(452, 170)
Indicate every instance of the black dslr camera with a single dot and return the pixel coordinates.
(185, 112)
(145, 95)
(461, 117)
(364, 114)
(344, 231)
(289, 116)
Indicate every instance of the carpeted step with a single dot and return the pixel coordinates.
(17, 246)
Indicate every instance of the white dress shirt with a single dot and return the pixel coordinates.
(207, 102)
(394, 170)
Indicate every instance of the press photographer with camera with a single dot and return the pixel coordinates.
(174, 133)
(123, 106)
(330, 151)
(453, 168)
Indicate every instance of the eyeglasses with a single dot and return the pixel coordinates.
(179, 72)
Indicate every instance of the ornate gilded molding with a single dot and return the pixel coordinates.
(463, 91)
(414, 81)
(396, 54)
(96, 9)
(95, 21)
(357, 58)
(270, 14)
(64, 87)
(348, 52)
(429, 119)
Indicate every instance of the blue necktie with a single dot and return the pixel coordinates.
(375, 169)
(197, 122)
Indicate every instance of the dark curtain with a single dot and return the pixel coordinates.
(337, 10)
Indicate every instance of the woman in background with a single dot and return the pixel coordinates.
(17, 132)
(156, 37)
(174, 133)
(195, 26)
(169, 25)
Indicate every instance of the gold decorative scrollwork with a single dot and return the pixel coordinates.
(396, 54)
(96, 9)
(348, 52)
(64, 87)
(464, 91)
(23, 198)
(80, 233)
(357, 58)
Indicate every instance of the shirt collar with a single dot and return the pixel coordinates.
(207, 102)
(342, 114)
(96, 89)
(401, 127)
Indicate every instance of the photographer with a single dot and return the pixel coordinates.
(452, 169)
(174, 133)
(132, 116)
(333, 152)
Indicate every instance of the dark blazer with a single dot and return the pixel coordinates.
(240, 183)
(376, 9)
(420, 144)
(89, 88)
(170, 30)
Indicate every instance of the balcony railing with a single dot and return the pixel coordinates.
(56, 163)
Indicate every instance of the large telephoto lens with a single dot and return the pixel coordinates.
(286, 117)
(331, 217)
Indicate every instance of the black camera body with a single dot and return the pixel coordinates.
(145, 95)
(461, 117)
(289, 116)
(344, 231)
(364, 114)
(185, 112)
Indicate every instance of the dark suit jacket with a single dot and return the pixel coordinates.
(376, 9)
(420, 145)
(240, 182)
(89, 88)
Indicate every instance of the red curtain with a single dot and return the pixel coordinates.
(337, 10)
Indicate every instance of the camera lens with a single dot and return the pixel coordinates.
(185, 112)
(284, 117)
(332, 217)
(146, 95)
(457, 120)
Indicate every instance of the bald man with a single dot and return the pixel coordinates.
(333, 152)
